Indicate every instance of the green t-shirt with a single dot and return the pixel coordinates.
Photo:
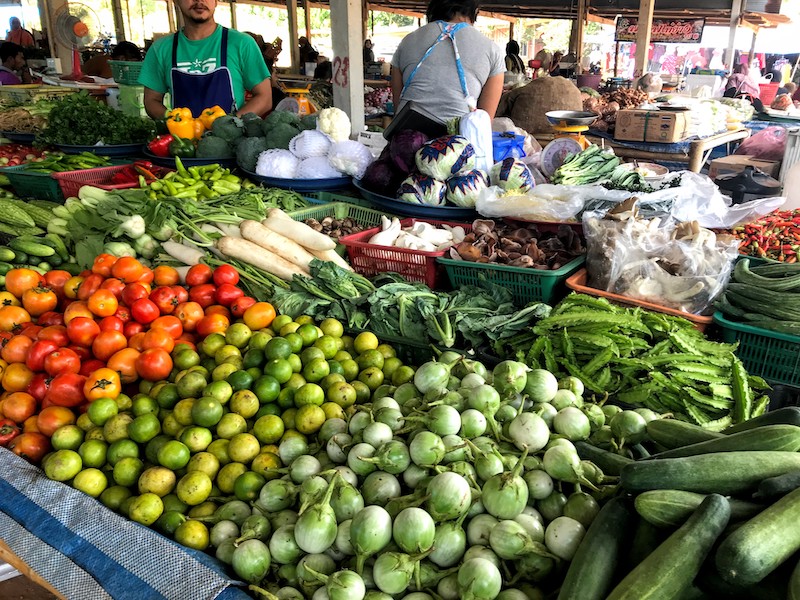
(245, 61)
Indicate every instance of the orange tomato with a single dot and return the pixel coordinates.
(170, 323)
(164, 275)
(20, 280)
(107, 343)
(212, 324)
(127, 269)
(19, 406)
(259, 316)
(30, 424)
(12, 317)
(9, 299)
(158, 338)
(71, 287)
(53, 417)
(124, 363)
(102, 383)
(187, 339)
(136, 341)
(39, 300)
(89, 286)
(16, 350)
(103, 303)
(32, 446)
(188, 313)
(103, 264)
(17, 377)
(218, 309)
(147, 277)
(78, 308)
(154, 364)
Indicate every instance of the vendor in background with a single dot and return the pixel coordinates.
(741, 85)
(98, 65)
(369, 55)
(324, 68)
(446, 65)
(204, 65)
(305, 50)
(271, 52)
(514, 62)
(14, 70)
(555, 63)
(18, 35)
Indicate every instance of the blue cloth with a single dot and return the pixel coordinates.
(681, 147)
(85, 550)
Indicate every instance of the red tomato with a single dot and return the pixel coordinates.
(56, 333)
(38, 352)
(218, 309)
(56, 279)
(133, 292)
(165, 299)
(103, 263)
(128, 269)
(90, 365)
(111, 324)
(76, 309)
(212, 324)
(158, 338)
(83, 352)
(186, 339)
(124, 363)
(203, 294)
(144, 311)
(83, 331)
(240, 305)
(154, 364)
(30, 330)
(113, 285)
(89, 286)
(63, 360)
(147, 277)
(39, 385)
(136, 341)
(225, 274)
(170, 323)
(189, 313)
(50, 318)
(53, 417)
(132, 328)
(39, 300)
(181, 293)
(102, 383)
(103, 303)
(227, 294)
(163, 275)
(31, 445)
(66, 390)
(123, 313)
(198, 275)
(107, 343)
(16, 349)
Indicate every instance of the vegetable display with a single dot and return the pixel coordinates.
(773, 236)
(420, 235)
(590, 166)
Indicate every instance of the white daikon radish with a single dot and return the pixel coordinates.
(277, 243)
(188, 255)
(300, 233)
(277, 212)
(255, 255)
(332, 256)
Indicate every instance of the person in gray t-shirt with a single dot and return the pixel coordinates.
(436, 86)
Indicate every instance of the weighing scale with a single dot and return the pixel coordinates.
(296, 101)
(569, 126)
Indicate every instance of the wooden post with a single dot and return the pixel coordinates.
(364, 26)
(643, 36)
(736, 14)
(616, 59)
(294, 46)
(348, 61)
(171, 16)
(511, 30)
(119, 24)
(307, 14)
(752, 54)
(580, 23)
(233, 14)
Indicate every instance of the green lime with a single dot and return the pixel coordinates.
(157, 480)
(295, 362)
(153, 446)
(295, 341)
(183, 411)
(310, 354)
(120, 449)
(328, 345)
(212, 343)
(170, 425)
(143, 404)
(101, 410)
(144, 428)
(286, 398)
(350, 369)
(169, 521)
(205, 462)
(268, 429)
(280, 369)
(278, 347)
(67, 437)
(335, 367)
(370, 358)
(271, 408)
(386, 351)
(288, 418)
(172, 502)
(219, 448)
(309, 418)
(196, 438)
(127, 471)
(230, 424)
(332, 328)
(348, 344)
(266, 464)
(260, 339)
(248, 485)
(84, 422)
(221, 372)
(310, 393)
(316, 370)
(240, 380)
(173, 455)
(363, 392)
(238, 334)
(343, 394)
(113, 497)
(243, 448)
(254, 372)
(279, 322)
(329, 380)
(372, 377)
(390, 366)
(402, 375)
(342, 355)
(366, 340)
(62, 465)
(226, 478)
(91, 482)
(244, 403)
(194, 488)
(289, 328)
(93, 453)
(184, 357)
(145, 509)
(206, 411)
(253, 358)
(192, 534)
(333, 411)
(226, 352)
(116, 428)
(123, 402)
(168, 396)
(95, 433)
(190, 384)
(219, 390)
(295, 382)
(266, 388)
(308, 333)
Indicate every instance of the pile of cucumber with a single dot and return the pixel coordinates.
(710, 515)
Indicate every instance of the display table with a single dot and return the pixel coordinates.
(694, 151)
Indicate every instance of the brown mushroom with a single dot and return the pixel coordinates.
(314, 224)
(522, 261)
(483, 226)
(468, 252)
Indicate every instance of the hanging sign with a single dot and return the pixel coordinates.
(670, 31)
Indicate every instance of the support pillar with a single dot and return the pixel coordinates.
(348, 60)
(119, 22)
(294, 47)
(643, 36)
(233, 14)
(578, 27)
(307, 13)
(736, 14)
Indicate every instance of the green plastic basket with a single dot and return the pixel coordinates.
(33, 185)
(327, 197)
(126, 72)
(366, 217)
(525, 284)
(769, 354)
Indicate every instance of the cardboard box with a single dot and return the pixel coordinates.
(736, 163)
(634, 125)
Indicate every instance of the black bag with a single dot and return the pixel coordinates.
(411, 116)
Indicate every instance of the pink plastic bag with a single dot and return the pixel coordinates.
(767, 144)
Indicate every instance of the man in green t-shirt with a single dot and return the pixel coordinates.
(205, 65)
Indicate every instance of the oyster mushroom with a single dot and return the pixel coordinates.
(468, 252)
(522, 261)
(483, 226)
(314, 224)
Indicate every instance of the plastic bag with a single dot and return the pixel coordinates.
(767, 144)
(507, 144)
(544, 203)
(476, 126)
(676, 265)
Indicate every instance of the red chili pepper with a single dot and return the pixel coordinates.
(126, 175)
(8, 431)
(160, 145)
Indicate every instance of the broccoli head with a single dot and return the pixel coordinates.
(309, 121)
(252, 125)
(280, 117)
(228, 128)
(280, 136)
(247, 151)
(211, 146)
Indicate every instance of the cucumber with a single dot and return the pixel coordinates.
(668, 572)
(609, 462)
(672, 433)
(21, 257)
(53, 261)
(56, 242)
(761, 544)
(6, 254)
(71, 268)
(671, 508)
(646, 538)
(32, 248)
(721, 473)
(781, 485)
(770, 588)
(785, 438)
(592, 569)
(788, 415)
(794, 584)
(5, 267)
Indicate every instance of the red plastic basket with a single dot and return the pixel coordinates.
(72, 181)
(414, 265)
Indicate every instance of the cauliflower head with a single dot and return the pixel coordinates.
(334, 123)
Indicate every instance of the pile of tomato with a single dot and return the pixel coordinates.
(66, 340)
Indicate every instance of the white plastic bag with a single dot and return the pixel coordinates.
(476, 126)
(544, 203)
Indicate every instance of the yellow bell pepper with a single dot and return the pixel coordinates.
(180, 126)
(199, 128)
(209, 115)
(180, 113)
